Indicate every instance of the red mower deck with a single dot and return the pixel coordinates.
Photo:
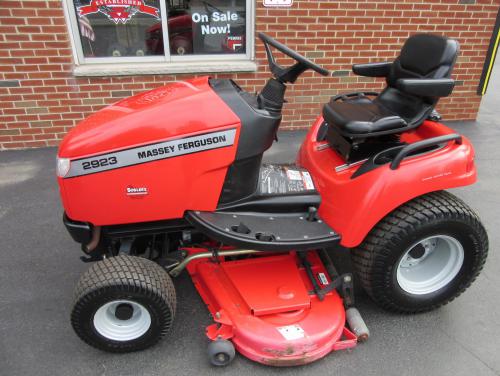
(267, 307)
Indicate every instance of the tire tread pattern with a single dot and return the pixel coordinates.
(368, 258)
(126, 274)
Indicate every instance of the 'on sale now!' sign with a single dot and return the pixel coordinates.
(278, 3)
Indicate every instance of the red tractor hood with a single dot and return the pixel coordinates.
(176, 110)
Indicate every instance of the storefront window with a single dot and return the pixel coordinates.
(206, 27)
(117, 29)
(110, 30)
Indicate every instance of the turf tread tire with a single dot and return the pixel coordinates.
(369, 258)
(124, 275)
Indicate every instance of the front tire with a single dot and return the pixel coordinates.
(423, 254)
(123, 304)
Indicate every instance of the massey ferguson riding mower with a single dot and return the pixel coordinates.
(172, 179)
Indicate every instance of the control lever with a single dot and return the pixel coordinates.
(241, 229)
(312, 214)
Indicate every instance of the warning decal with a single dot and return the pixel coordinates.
(322, 278)
(293, 174)
(291, 332)
(284, 179)
(306, 177)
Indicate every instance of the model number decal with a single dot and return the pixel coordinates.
(152, 152)
(441, 175)
(96, 163)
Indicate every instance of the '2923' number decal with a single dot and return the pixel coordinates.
(101, 162)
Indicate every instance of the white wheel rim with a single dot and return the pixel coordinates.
(108, 325)
(438, 263)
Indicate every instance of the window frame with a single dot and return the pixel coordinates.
(167, 58)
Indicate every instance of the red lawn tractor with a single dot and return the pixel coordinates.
(173, 179)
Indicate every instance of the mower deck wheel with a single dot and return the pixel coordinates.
(221, 352)
(357, 324)
(123, 304)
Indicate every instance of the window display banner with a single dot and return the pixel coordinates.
(215, 22)
(218, 26)
(118, 10)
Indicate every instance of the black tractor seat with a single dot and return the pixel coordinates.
(416, 80)
(359, 115)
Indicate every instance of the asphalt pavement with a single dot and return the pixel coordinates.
(39, 266)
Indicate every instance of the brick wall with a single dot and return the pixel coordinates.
(40, 100)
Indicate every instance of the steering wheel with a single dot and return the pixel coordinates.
(288, 74)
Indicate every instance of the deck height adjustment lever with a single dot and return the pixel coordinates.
(342, 283)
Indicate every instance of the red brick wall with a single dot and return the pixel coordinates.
(40, 100)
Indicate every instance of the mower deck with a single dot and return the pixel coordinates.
(267, 307)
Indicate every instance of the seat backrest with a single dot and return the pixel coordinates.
(424, 56)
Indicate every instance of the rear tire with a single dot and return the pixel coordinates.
(123, 304)
(423, 254)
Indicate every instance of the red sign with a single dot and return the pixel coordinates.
(234, 42)
(118, 10)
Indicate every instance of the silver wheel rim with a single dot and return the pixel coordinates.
(430, 264)
(110, 326)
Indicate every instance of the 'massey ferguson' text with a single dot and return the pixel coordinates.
(181, 147)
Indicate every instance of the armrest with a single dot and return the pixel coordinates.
(426, 87)
(420, 145)
(372, 69)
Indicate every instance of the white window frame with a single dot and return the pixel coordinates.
(160, 64)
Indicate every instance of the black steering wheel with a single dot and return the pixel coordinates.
(288, 74)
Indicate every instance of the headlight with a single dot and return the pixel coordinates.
(63, 165)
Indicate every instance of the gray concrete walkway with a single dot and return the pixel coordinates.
(39, 267)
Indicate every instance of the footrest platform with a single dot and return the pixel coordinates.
(266, 231)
